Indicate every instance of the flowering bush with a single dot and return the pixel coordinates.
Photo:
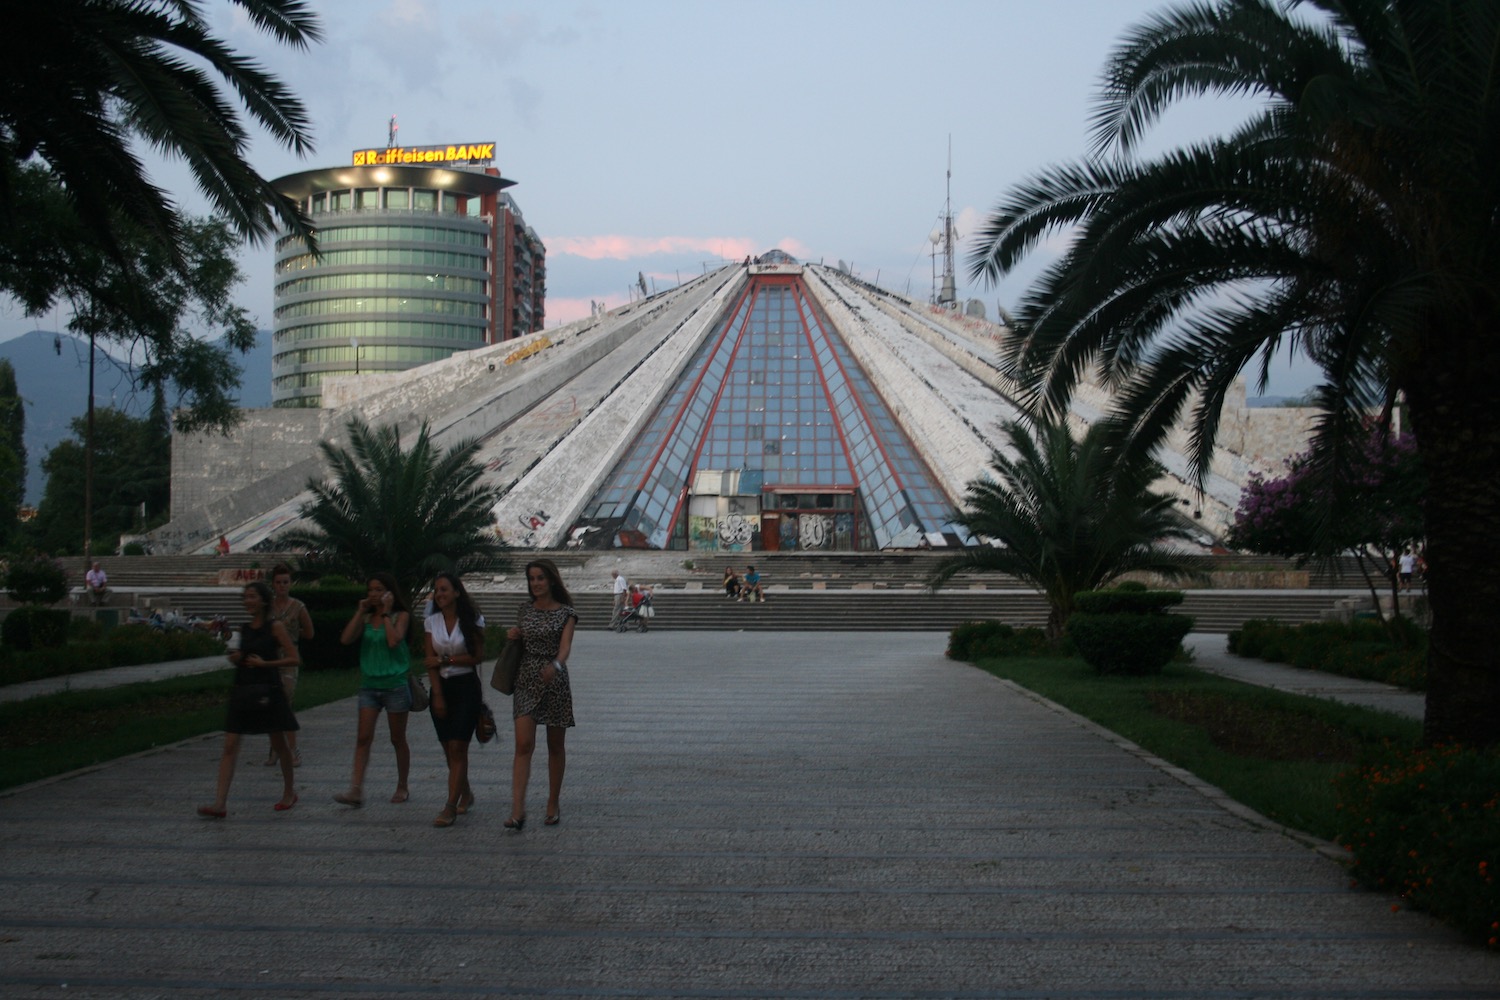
(1426, 824)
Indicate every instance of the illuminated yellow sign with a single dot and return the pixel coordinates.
(521, 353)
(397, 155)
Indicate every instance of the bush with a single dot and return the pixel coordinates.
(1423, 823)
(1362, 648)
(1132, 644)
(1126, 602)
(966, 635)
(35, 628)
(133, 549)
(35, 579)
(1134, 585)
(130, 644)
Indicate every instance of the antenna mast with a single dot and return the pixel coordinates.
(390, 134)
(948, 296)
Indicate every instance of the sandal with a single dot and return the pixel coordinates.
(465, 803)
(349, 799)
(515, 824)
(447, 816)
(401, 796)
(212, 812)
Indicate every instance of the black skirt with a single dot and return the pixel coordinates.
(461, 697)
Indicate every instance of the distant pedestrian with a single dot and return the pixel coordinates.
(379, 625)
(257, 702)
(222, 549)
(731, 583)
(1408, 567)
(293, 616)
(621, 595)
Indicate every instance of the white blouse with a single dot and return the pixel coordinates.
(446, 643)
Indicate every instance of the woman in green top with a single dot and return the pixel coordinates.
(379, 626)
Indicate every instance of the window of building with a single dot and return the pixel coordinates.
(367, 198)
(424, 201)
(397, 198)
(450, 203)
(340, 201)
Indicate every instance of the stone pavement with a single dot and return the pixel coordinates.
(745, 815)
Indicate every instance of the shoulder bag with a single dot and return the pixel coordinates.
(509, 663)
(418, 690)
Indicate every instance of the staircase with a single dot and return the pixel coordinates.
(806, 592)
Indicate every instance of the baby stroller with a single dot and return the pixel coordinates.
(637, 617)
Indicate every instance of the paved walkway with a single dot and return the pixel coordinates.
(776, 815)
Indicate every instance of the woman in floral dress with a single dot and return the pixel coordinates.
(542, 695)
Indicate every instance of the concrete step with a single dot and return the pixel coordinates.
(810, 610)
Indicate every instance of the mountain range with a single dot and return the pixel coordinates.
(52, 374)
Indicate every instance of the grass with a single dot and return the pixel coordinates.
(1275, 752)
(58, 733)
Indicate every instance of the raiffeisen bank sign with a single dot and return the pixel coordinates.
(474, 152)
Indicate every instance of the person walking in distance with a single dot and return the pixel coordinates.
(293, 616)
(622, 590)
(544, 693)
(379, 625)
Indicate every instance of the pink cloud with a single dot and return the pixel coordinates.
(614, 247)
(563, 311)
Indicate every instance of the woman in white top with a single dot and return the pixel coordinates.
(455, 647)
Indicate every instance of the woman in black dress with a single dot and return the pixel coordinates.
(258, 702)
(543, 694)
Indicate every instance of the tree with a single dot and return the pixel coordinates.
(1372, 516)
(1354, 218)
(12, 454)
(411, 513)
(1069, 517)
(87, 80)
(132, 464)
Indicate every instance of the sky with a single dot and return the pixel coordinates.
(660, 137)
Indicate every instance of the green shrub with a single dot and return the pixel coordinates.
(1027, 642)
(966, 635)
(1134, 585)
(35, 628)
(330, 603)
(85, 629)
(35, 579)
(131, 644)
(1362, 648)
(1426, 824)
(133, 549)
(1132, 644)
(1126, 602)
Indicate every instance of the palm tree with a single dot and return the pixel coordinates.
(412, 513)
(1069, 517)
(86, 78)
(1354, 218)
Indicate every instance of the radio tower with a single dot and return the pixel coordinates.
(948, 296)
(390, 133)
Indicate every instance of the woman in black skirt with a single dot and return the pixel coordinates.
(455, 647)
(258, 702)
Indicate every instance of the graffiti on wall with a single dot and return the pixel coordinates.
(734, 531)
(814, 531)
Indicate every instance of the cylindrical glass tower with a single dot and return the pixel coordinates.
(412, 269)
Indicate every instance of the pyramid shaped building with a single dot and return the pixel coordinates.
(764, 406)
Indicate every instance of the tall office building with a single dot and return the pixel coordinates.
(423, 254)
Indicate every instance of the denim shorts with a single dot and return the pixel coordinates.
(396, 699)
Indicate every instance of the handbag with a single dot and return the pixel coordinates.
(484, 729)
(251, 697)
(418, 690)
(509, 663)
(506, 668)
